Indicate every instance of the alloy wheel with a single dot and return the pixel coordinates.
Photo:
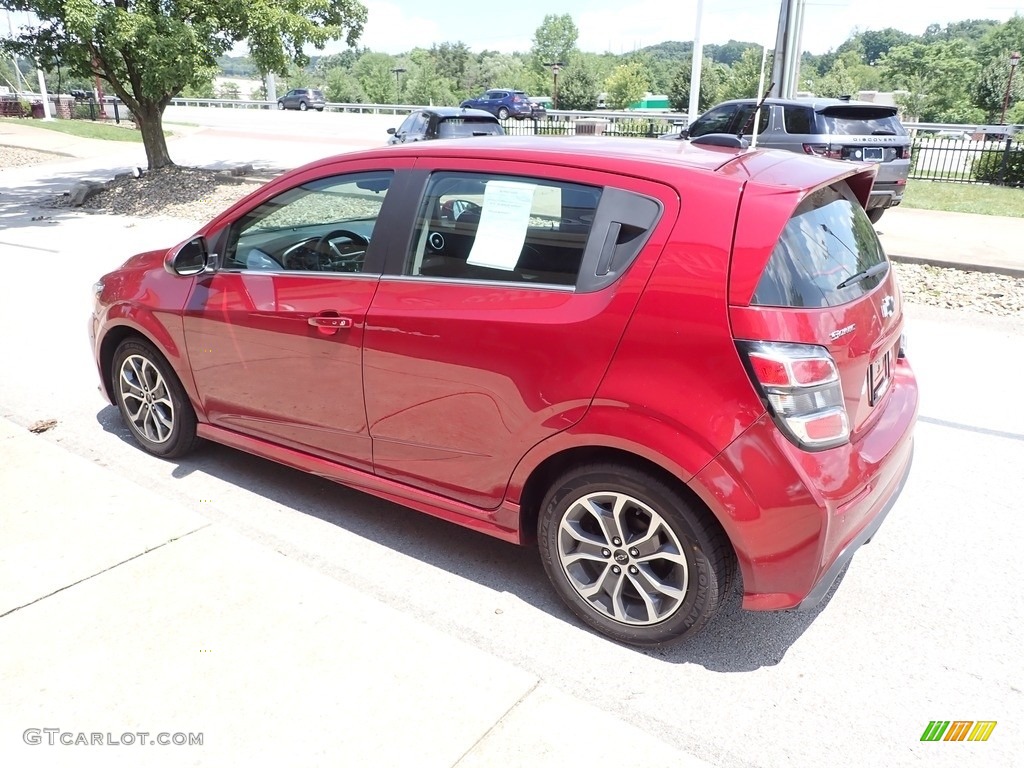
(623, 558)
(147, 400)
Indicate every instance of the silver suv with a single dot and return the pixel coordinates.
(835, 128)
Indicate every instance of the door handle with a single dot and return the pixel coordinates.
(330, 322)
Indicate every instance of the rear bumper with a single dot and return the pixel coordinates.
(817, 594)
(795, 519)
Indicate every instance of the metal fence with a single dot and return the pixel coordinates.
(968, 158)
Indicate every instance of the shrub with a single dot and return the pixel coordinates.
(989, 167)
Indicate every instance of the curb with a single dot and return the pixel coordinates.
(963, 266)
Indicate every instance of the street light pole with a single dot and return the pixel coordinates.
(398, 82)
(555, 66)
(1014, 61)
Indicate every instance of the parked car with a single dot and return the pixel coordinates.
(663, 365)
(302, 99)
(445, 123)
(840, 129)
(504, 103)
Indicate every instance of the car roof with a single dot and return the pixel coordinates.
(815, 103)
(449, 112)
(639, 157)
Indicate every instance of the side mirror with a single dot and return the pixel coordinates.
(190, 258)
(391, 131)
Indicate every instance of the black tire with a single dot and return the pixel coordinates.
(874, 214)
(303, 106)
(151, 400)
(280, 105)
(503, 113)
(319, 109)
(659, 520)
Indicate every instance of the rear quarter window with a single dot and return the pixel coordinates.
(798, 120)
(827, 240)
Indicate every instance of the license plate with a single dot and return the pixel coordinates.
(879, 376)
(874, 153)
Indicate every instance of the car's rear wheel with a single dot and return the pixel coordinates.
(503, 113)
(631, 556)
(303, 106)
(874, 214)
(152, 401)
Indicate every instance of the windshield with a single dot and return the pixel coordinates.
(861, 121)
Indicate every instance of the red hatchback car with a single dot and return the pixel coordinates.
(664, 363)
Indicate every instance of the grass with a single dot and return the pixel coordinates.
(85, 129)
(965, 198)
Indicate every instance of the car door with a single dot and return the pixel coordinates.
(274, 336)
(491, 330)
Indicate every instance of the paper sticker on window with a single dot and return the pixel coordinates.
(503, 223)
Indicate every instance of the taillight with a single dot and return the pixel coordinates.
(800, 386)
(903, 153)
(823, 150)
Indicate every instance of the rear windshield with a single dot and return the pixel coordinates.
(828, 240)
(860, 121)
(461, 127)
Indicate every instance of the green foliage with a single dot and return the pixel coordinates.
(627, 84)
(425, 85)
(148, 52)
(711, 78)
(745, 75)
(373, 71)
(204, 90)
(836, 82)
(343, 87)
(1006, 168)
(578, 85)
(230, 90)
(554, 41)
(938, 76)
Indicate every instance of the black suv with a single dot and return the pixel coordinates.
(445, 123)
(303, 99)
(840, 129)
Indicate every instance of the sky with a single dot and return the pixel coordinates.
(620, 26)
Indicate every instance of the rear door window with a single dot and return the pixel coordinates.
(799, 120)
(828, 241)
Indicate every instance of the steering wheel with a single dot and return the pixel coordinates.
(331, 257)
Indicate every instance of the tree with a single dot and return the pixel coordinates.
(743, 77)
(554, 41)
(343, 87)
(373, 70)
(230, 90)
(148, 51)
(424, 85)
(938, 75)
(578, 86)
(836, 82)
(626, 85)
(711, 75)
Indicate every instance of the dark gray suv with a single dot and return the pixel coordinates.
(835, 128)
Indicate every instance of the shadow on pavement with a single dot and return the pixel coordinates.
(735, 641)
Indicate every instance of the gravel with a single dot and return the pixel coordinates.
(200, 194)
(12, 157)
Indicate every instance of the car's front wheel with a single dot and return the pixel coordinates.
(631, 556)
(303, 106)
(152, 401)
(280, 105)
(503, 113)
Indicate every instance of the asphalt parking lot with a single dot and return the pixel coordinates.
(290, 619)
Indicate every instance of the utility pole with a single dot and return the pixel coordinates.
(786, 64)
(695, 68)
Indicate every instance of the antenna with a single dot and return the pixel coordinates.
(755, 117)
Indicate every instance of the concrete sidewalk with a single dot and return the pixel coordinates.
(123, 613)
